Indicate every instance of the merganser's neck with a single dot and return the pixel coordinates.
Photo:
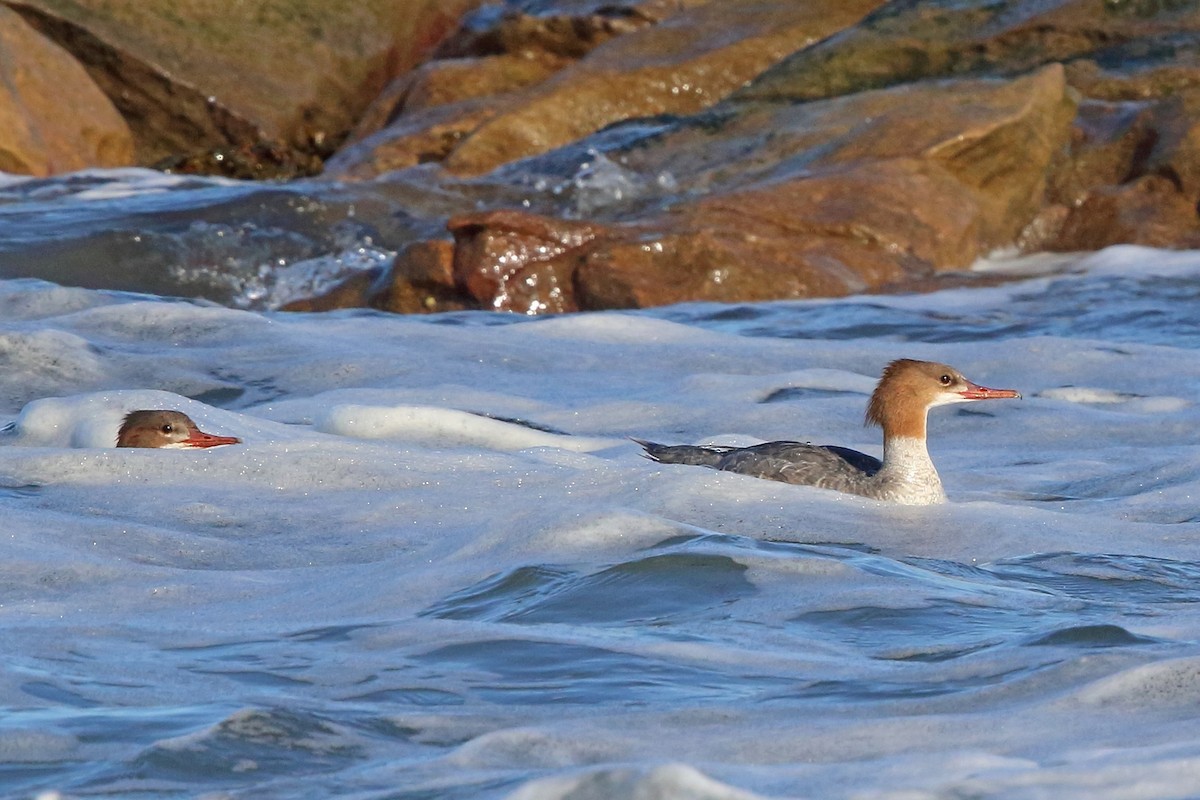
(900, 405)
(908, 474)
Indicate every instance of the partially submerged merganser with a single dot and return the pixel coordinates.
(899, 405)
(172, 429)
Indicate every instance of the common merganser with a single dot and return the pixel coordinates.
(172, 429)
(900, 403)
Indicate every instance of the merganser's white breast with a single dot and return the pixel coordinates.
(899, 404)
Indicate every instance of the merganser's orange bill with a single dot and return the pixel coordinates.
(201, 439)
(976, 392)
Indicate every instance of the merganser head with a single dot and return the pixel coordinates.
(172, 429)
(908, 389)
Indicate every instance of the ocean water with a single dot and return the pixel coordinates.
(438, 568)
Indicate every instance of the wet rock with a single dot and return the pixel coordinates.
(568, 30)
(686, 62)
(195, 78)
(495, 54)
(513, 261)
(838, 196)
(53, 118)
(443, 102)
(1109, 144)
(420, 280)
(1149, 211)
(781, 201)
(850, 229)
(909, 40)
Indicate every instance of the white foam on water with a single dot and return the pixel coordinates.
(437, 561)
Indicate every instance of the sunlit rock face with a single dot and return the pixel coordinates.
(244, 89)
(53, 117)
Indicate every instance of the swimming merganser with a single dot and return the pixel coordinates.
(172, 429)
(900, 403)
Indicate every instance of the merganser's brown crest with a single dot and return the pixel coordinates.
(170, 429)
(900, 403)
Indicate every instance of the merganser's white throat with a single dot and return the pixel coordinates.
(900, 405)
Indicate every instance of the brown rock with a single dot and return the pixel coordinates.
(434, 108)
(687, 62)
(1109, 144)
(420, 280)
(53, 118)
(1150, 211)
(997, 138)
(896, 184)
(849, 229)
(353, 292)
(728, 266)
(194, 76)
(414, 139)
(514, 261)
(563, 35)
(441, 103)
(994, 140)
(912, 41)
(440, 83)
(1162, 106)
(684, 64)
(822, 198)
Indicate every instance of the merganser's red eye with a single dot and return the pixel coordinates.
(946, 380)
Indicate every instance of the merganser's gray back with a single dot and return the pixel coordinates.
(791, 462)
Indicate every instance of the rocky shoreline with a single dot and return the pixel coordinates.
(591, 155)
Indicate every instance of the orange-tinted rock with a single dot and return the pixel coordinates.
(442, 102)
(420, 280)
(804, 200)
(514, 261)
(683, 64)
(729, 266)
(352, 292)
(993, 142)
(897, 184)
(997, 138)
(916, 40)
(850, 229)
(53, 118)
(433, 109)
(1150, 211)
(192, 76)
(1109, 143)
(446, 81)
(812, 181)
(686, 62)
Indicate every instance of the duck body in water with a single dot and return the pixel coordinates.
(900, 405)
